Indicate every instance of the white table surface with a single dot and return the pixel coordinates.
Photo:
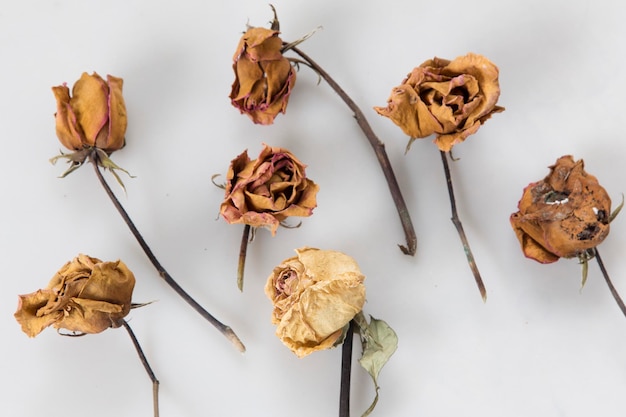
(538, 347)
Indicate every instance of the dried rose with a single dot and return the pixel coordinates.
(315, 295)
(563, 215)
(263, 76)
(95, 115)
(265, 191)
(86, 295)
(451, 99)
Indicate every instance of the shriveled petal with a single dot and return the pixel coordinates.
(279, 78)
(531, 248)
(262, 44)
(322, 265)
(446, 142)
(316, 321)
(330, 305)
(118, 119)
(90, 104)
(27, 309)
(247, 75)
(110, 282)
(486, 73)
(407, 110)
(255, 219)
(68, 131)
(90, 316)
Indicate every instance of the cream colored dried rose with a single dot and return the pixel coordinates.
(563, 215)
(451, 99)
(315, 295)
(86, 295)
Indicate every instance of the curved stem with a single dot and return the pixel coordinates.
(146, 365)
(346, 369)
(224, 329)
(243, 249)
(459, 228)
(381, 154)
(605, 274)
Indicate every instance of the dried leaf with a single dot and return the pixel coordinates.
(379, 343)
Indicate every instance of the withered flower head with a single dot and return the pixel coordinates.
(315, 295)
(86, 295)
(263, 76)
(265, 191)
(563, 215)
(95, 115)
(451, 99)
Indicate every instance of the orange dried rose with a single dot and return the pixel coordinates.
(86, 295)
(263, 76)
(265, 191)
(95, 115)
(563, 215)
(451, 99)
(315, 295)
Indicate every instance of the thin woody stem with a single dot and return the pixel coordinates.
(224, 329)
(146, 365)
(346, 369)
(614, 292)
(381, 154)
(243, 249)
(459, 228)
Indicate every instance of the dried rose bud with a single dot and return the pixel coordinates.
(451, 99)
(265, 191)
(263, 76)
(86, 295)
(315, 295)
(95, 115)
(563, 215)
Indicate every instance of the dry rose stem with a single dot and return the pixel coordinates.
(263, 76)
(94, 116)
(563, 215)
(92, 123)
(265, 191)
(450, 99)
(315, 295)
(86, 295)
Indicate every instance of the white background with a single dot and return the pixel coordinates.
(538, 347)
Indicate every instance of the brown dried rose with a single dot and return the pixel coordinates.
(265, 191)
(95, 115)
(263, 76)
(315, 295)
(451, 99)
(86, 295)
(563, 215)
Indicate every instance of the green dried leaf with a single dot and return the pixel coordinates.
(105, 162)
(617, 210)
(585, 264)
(379, 343)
